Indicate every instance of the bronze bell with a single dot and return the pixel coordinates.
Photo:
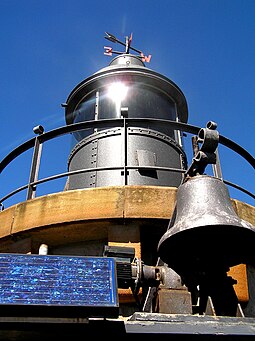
(206, 233)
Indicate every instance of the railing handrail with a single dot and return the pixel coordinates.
(103, 123)
(106, 123)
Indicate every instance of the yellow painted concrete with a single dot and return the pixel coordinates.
(6, 221)
(69, 206)
(88, 204)
(149, 202)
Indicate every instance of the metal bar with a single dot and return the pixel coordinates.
(34, 169)
(96, 108)
(61, 175)
(238, 149)
(216, 167)
(177, 134)
(125, 153)
(239, 188)
(85, 170)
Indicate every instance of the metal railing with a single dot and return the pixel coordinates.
(36, 143)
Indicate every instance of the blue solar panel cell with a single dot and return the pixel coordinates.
(58, 281)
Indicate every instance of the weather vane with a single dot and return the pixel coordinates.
(109, 51)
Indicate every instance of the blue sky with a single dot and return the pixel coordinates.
(206, 47)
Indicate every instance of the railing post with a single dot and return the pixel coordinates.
(216, 167)
(34, 170)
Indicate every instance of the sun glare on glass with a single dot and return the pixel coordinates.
(117, 91)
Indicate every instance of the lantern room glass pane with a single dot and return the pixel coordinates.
(142, 101)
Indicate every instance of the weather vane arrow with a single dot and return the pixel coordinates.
(128, 40)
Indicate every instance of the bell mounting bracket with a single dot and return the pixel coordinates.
(205, 145)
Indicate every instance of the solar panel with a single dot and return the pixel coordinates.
(58, 285)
